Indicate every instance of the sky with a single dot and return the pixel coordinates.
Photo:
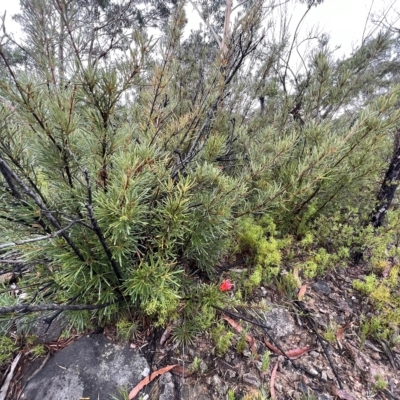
(344, 20)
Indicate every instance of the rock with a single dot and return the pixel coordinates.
(198, 392)
(220, 387)
(324, 397)
(324, 376)
(42, 330)
(167, 387)
(92, 367)
(251, 379)
(231, 373)
(280, 322)
(203, 367)
(322, 287)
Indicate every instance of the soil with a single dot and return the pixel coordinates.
(309, 367)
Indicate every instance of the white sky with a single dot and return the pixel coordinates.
(344, 20)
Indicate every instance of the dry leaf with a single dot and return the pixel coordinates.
(181, 371)
(166, 335)
(296, 353)
(272, 347)
(249, 339)
(272, 383)
(148, 379)
(340, 331)
(302, 292)
(296, 276)
(293, 353)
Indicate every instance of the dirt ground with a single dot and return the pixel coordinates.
(302, 363)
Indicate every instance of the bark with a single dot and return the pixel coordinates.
(225, 39)
(389, 186)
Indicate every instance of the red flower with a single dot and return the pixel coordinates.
(226, 285)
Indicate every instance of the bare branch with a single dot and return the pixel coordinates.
(217, 39)
(25, 308)
(39, 238)
(97, 229)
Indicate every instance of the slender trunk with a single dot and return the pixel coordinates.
(226, 36)
(389, 186)
(61, 53)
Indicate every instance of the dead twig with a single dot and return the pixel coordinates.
(50, 307)
(6, 384)
(266, 329)
(306, 314)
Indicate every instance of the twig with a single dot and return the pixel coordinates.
(266, 329)
(6, 384)
(37, 239)
(49, 307)
(306, 313)
(214, 34)
(97, 229)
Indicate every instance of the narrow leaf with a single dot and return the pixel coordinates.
(149, 379)
(272, 383)
(302, 292)
(340, 331)
(249, 339)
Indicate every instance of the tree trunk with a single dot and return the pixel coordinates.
(389, 186)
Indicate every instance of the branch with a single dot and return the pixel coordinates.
(208, 25)
(97, 229)
(37, 239)
(50, 307)
(5, 169)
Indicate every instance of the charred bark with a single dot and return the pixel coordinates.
(389, 186)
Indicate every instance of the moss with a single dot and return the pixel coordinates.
(7, 348)
(222, 339)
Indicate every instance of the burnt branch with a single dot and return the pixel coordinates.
(5, 169)
(97, 229)
(28, 308)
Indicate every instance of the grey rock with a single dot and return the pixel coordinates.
(324, 376)
(324, 397)
(322, 287)
(203, 367)
(167, 387)
(251, 379)
(220, 387)
(42, 330)
(231, 373)
(92, 367)
(280, 322)
(198, 392)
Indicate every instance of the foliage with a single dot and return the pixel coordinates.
(127, 330)
(130, 168)
(195, 366)
(241, 344)
(222, 339)
(330, 333)
(265, 361)
(38, 351)
(7, 348)
(379, 384)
